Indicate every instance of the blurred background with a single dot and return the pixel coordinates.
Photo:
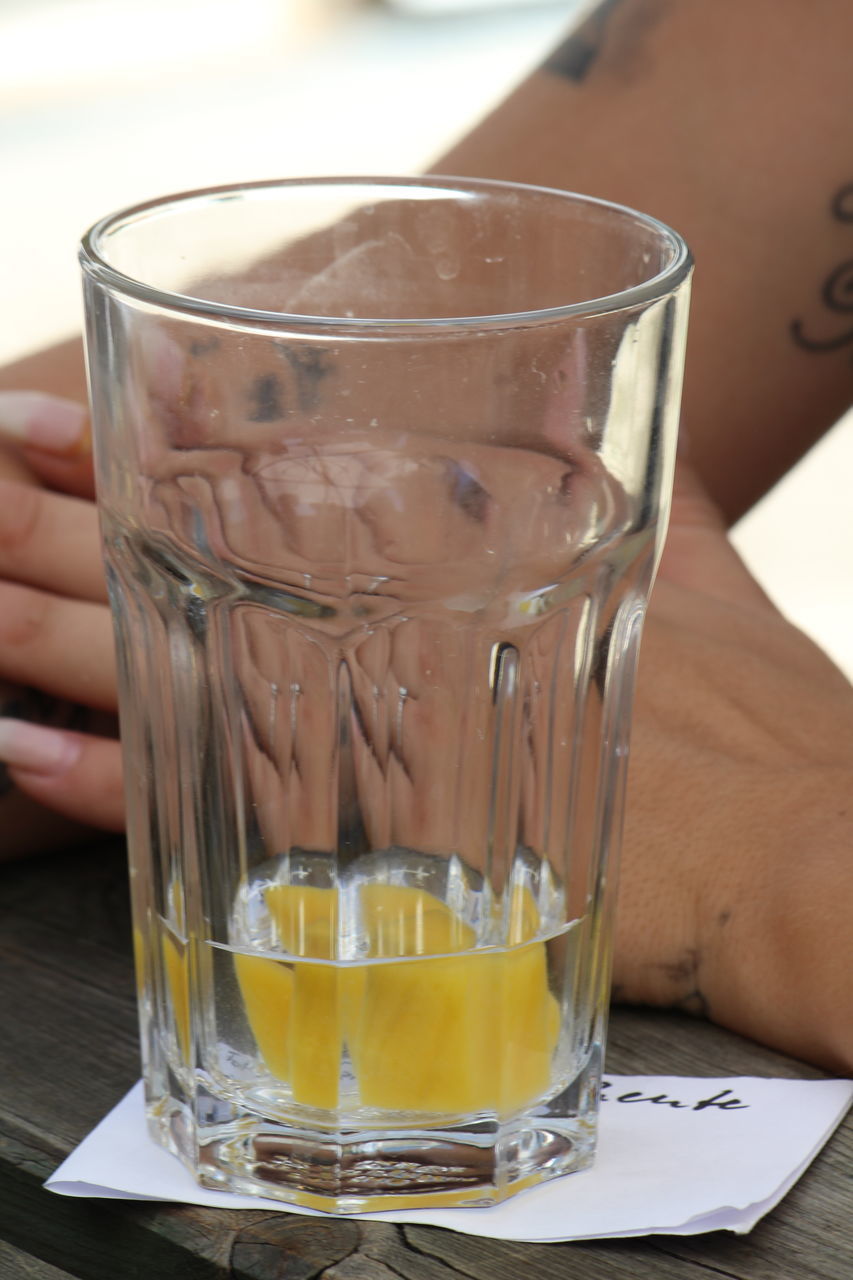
(107, 102)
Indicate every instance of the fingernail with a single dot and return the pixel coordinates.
(35, 748)
(44, 422)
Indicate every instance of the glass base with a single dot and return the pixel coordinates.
(475, 1161)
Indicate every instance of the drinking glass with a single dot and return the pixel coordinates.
(383, 470)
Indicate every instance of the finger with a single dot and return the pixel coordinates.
(63, 647)
(31, 466)
(71, 773)
(13, 465)
(48, 423)
(69, 475)
(54, 436)
(697, 553)
(50, 541)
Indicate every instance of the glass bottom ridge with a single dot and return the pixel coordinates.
(475, 1161)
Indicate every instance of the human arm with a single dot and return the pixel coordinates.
(737, 877)
(732, 124)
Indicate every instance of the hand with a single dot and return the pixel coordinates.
(56, 649)
(736, 879)
(737, 883)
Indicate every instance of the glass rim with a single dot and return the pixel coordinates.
(96, 265)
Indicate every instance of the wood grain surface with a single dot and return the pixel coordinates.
(68, 1052)
(23, 1266)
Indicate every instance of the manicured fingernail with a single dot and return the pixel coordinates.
(35, 748)
(44, 422)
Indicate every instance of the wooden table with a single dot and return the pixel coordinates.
(69, 1052)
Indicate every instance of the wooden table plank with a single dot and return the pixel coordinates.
(69, 1048)
(69, 1051)
(15, 1265)
(82, 893)
(94, 1240)
(481, 1259)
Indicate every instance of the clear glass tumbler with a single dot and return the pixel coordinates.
(383, 469)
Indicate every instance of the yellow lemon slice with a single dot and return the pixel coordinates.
(176, 967)
(456, 1031)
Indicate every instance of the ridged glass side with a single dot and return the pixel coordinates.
(377, 587)
(400, 925)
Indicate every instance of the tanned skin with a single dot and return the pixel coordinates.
(733, 124)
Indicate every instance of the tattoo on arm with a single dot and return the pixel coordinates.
(577, 55)
(694, 1003)
(836, 292)
(684, 976)
(580, 53)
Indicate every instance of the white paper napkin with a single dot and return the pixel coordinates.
(676, 1155)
